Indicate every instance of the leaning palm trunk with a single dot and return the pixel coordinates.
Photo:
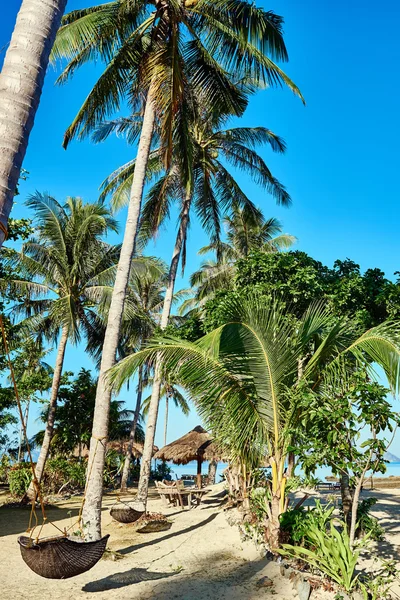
(155, 394)
(128, 453)
(21, 83)
(48, 434)
(94, 484)
(166, 420)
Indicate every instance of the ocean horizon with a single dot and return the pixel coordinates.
(392, 470)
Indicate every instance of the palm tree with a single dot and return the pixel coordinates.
(213, 189)
(21, 83)
(159, 56)
(169, 392)
(242, 375)
(65, 273)
(245, 231)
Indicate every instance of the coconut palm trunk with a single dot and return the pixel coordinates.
(128, 453)
(21, 83)
(48, 434)
(166, 419)
(91, 515)
(145, 467)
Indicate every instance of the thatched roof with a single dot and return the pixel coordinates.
(197, 443)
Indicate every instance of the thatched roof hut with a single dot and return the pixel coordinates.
(197, 445)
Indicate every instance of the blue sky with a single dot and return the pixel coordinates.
(341, 166)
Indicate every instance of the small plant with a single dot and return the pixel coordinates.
(330, 553)
(377, 587)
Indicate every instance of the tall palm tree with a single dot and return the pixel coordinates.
(21, 83)
(241, 377)
(65, 273)
(214, 189)
(169, 392)
(158, 56)
(245, 231)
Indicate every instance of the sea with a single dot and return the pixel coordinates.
(392, 470)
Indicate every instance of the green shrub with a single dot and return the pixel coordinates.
(5, 466)
(19, 478)
(68, 472)
(296, 523)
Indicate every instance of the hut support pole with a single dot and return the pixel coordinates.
(198, 478)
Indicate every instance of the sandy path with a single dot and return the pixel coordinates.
(200, 558)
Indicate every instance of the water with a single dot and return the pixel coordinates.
(392, 470)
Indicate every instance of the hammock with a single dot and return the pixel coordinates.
(57, 557)
(123, 513)
(61, 557)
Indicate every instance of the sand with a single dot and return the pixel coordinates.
(201, 557)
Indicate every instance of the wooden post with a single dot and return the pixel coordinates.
(198, 478)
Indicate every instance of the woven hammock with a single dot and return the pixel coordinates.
(61, 557)
(125, 514)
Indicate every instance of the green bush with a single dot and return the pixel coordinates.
(19, 477)
(68, 472)
(5, 466)
(296, 523)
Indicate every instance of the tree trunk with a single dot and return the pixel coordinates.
(166, 419)
(212, 472)
(91, 516)
(155, 394)
(21, 83)
(347, 497)
(128, 453)
(48, 434)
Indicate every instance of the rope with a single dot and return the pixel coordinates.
(36, 484)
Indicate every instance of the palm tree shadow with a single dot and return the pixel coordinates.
(123, 579)
(175, 534)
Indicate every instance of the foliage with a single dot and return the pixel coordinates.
(298, 280)
(66, 473)
(74, 418)
(162, 471)
(5, 465)
(247, 230)
(19, 478)
(377, 586)
(366, 523)
(296, 523)
(330, 553)
(66, 271)
(341, 432)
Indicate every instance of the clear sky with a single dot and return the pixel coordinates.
(341, 166)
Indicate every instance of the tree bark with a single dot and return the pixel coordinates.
(347, 497)
(21, 83)
(145, 467)
(166, 419)
(48, 434)
(128, 454)
(91, 516)
(212, 472)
